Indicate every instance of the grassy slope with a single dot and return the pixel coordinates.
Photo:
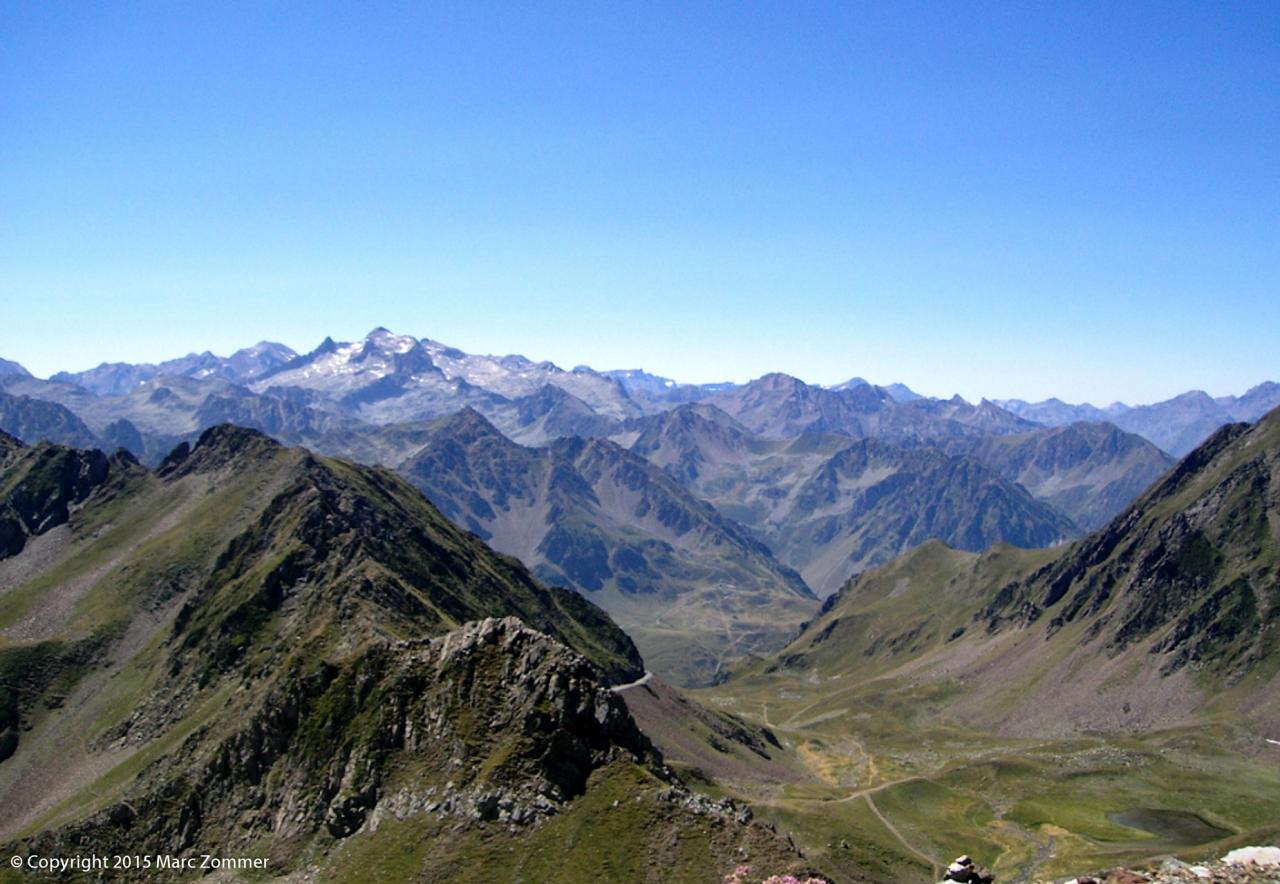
(620, 830)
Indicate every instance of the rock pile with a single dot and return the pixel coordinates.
(1247, 865)
(964, 870)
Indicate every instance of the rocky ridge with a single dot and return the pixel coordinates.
(492, 721)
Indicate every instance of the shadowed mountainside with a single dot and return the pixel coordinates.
(830, 506)
(690, 585)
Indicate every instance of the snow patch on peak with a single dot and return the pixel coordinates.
(388, 341)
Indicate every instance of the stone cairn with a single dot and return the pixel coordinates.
(965, 871)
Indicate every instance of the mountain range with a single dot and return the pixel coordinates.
(394, 378)
(692, 587)
(1176, 425)
(685, 510)
(1040, 644)
(830, 506)
(389, 379)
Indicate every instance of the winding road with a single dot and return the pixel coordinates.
(617, 689)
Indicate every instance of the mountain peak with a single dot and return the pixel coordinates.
(389, 342)
(777, 380)
(232, 438)
(466, 425)
(9, 367)
(218, 446)
(328, 345)
(902, 393)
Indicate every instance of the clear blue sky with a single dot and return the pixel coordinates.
(1017, 199)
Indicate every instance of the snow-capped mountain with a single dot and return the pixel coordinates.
(388, 377)
(899, 392)
(516, 376)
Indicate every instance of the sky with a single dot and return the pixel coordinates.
(1024, 200)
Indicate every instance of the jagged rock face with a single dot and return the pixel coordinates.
(492, 721)
(280, 644)
(254, 551)
(39, 486)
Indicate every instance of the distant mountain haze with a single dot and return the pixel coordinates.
(1176, 425)
(830, 506)
(113, 379)
(705, 518)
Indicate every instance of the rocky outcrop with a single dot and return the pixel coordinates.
(492, 721)
(964, 870)
(40, 486)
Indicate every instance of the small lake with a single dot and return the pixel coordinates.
(1175, 828)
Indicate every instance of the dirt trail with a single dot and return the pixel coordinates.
(933, 864)
(866, 794)
(871, 790)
